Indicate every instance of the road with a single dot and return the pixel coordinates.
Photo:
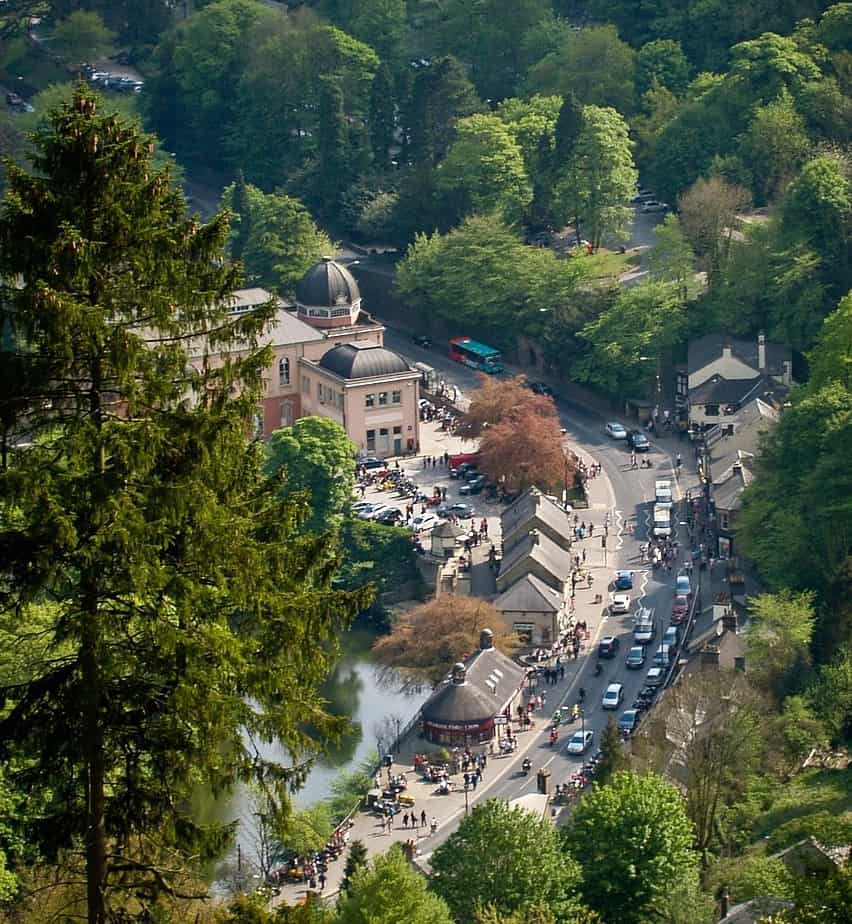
(631, 501)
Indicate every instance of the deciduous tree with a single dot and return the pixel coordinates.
(428, 640)
(82, 36)
(613, 757)
(708, 213)
(356, 859)
(661, 64)
(484, 169)
(314, 457)
(507, 858)
(497, 399)
(390, 891)
(633, 840)
(779, 639)
(672, 258)
(188, 618)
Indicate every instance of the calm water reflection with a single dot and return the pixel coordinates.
(356, 690)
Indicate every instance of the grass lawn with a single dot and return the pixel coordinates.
(814, 802)
(610, 264)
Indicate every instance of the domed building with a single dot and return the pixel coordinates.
(478, 697)
(329, 360)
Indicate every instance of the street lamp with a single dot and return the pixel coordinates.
(466, 806)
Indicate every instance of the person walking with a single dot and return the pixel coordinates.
(405, 820)
(423, 819)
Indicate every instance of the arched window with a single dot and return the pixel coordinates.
(286, 414)
(284, 371)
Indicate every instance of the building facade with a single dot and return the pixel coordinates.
(329, 360)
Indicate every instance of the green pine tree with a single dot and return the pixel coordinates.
(356, 859)
(613, 757)
(185, 620)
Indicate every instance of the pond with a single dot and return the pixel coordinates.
(373, 701)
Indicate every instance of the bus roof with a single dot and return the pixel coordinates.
(474, 346)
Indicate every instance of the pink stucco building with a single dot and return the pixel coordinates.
(329, 360)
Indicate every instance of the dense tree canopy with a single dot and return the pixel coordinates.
(508, 858)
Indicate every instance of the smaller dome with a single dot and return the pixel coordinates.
(354, 361)
(327, 284)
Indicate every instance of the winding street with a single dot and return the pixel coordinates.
(628, 496)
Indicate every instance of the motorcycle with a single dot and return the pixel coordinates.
(598, 669)
(554, 737)
(526, 766)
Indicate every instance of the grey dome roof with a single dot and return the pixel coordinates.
(327, 284)
(352, 361)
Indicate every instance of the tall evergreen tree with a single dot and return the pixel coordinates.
(242, 206)
(186, 621)
(382, 116)
(568, 127)
(356, 859)
(332, 145)
(613, 757)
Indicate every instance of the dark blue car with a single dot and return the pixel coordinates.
(623, 580)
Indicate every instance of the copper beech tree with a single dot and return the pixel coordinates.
(429, 639)
(520, 436)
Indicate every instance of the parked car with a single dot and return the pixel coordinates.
(628, 720)
(613, 696)
(652, 205)
(615, 430)
(635, 657)
(655, 677)
(680, 609)
(462, 511)
(620, 603)
(671, 637)
(425, 521)
(474, 486)
(371, 511)
(608, 646)
(540, 388)
(372, 462)
(422, 341)
(580, 741)
(460, 471)
(643, 631)
(637, 441)
(663, 656)
(393, 516)
(624, 580)
(683, 586)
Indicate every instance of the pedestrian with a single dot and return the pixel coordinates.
(423, 819)
(591, 530)
(322, 881)
(561, 671)
(405, 820)
(313, 883)
(446, 458)
(466, 779)
(584, 556)
(443, 493)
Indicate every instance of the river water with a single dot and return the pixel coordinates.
(373, 702)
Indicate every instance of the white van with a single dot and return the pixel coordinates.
(643, 631)
(671, 637)
(662, 520)
(662, 656)
(663, 491)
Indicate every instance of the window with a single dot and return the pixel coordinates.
(306, 386)
(370, 400)
(397, 431)
(396, 397)
(711, 410)
(340, 400)
(383, 398)
(371, 441)
(383, 440)
(723, 520)
(284, 371)
(286, 414)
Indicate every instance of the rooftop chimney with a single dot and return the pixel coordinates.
(729, 620)
(486, 640)
(710, 655)
(761, 352)
(533, 534)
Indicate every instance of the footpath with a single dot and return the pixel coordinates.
(414, 826)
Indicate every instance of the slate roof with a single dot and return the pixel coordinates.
(491, 680)
(708, 348)
(749, 424)
(530, 505)
(362, 361)
(327, 284)
(539, 548)
(529, 594)
(447, 530)
(718, 390)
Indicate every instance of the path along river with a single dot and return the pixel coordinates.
(358, 690)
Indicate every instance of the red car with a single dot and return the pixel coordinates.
(680, 609)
